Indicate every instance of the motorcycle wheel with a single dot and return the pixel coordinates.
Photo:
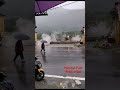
(40, 76)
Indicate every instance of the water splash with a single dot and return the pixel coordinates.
(24, 26)
(46, 37)
(27, 27)
(99, 30)
(56, 36)
(76, 38)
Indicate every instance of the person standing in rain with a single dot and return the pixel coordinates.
(19, 50)
(42, 47)
(83, 36)
(83, 30)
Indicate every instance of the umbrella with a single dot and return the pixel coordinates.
(21, 36)
(42, 6)
(44, 41)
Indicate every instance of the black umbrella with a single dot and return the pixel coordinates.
(21, 36)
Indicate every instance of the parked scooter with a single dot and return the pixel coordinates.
(39, 72)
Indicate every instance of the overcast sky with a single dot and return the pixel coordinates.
(66, 18)
(72, 5)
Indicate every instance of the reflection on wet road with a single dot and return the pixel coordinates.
(56, 58)
(54, 62)
(103, 68)
(20, 68)
(20, 74)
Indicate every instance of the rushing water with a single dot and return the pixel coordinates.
(55, 36)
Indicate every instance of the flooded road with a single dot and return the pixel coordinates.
(102, 68)
(21, 75)
(56, 59)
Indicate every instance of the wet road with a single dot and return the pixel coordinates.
(56, 58)
(59, 56)
(102, 68)
(21, 75)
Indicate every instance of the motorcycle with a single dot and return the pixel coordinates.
(39, 71)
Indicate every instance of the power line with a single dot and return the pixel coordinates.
(63, 5)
